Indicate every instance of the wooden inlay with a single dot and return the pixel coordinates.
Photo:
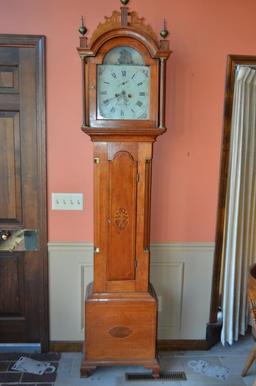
(120, 332)
(121, 218)
(122, 215)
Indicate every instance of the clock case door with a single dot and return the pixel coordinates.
(122, 182)
(91, 80)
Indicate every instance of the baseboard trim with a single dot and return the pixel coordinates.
(182, 344)
(66, 346)
(163, 345)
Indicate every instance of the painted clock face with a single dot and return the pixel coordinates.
(123, 86)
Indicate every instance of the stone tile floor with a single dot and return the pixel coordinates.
(16, 378)
(232, 358)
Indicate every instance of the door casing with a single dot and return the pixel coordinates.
(232, 62)
(38, 44)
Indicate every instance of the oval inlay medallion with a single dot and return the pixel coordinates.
(121, 218)
(120, 332)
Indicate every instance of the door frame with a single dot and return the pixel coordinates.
(232, 62)
(38, 42)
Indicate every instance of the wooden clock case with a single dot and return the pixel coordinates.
(121, 304)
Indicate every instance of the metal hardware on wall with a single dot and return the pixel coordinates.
(4, 235)
(19, 240)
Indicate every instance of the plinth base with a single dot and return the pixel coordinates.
(120, 330)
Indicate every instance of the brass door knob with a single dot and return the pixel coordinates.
(4, 235)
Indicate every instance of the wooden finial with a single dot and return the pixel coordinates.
(82, 28)
(164, 32)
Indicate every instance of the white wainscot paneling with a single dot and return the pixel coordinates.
(182, 277)
(180, 273)
(167, 279)
(70, 267)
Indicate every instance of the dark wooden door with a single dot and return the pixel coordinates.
(23, 273)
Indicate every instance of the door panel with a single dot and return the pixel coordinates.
(10, 203)
(23, 274)
(9, 78)
(122, 224)
(11, 280)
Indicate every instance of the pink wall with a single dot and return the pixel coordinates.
(186, 159)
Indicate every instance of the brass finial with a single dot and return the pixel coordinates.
(164, 32)
(124, 2)
(82, 28)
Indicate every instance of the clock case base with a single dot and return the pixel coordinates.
(120, 330)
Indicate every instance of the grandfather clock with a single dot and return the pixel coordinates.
(123, 68)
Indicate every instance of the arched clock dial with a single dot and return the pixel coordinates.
(123, 91)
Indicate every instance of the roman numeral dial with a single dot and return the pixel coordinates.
(123, 92)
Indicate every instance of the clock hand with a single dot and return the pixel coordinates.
(126, 81)
(123, 83)
(106, 101)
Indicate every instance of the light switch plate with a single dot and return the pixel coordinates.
(67, 201)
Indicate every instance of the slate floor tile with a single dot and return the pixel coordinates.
(48, 357)
(10, 365)
(27, 384)
(4, 366)
(19, 384)
(44, 384)
(12, 356)
(9, 377)
(235, 364)
(44, 378)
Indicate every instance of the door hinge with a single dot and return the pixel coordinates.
(136, 263)
(138, 178)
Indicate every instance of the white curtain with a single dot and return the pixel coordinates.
(239, 247)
